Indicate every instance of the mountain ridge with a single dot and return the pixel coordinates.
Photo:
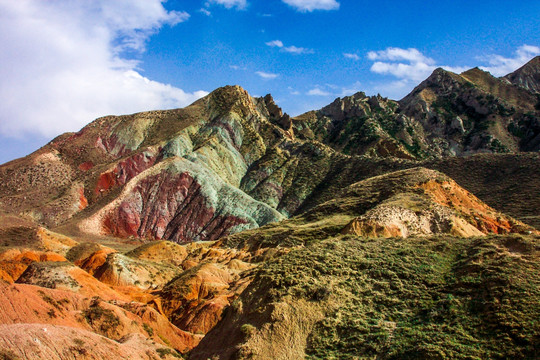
(228, 229)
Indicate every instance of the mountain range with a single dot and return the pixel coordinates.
(370, 228)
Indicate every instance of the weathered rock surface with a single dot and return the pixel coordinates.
(13, 262)
(22, 303)
(66, 276)
(160, 251)
(527, 76)
(420, 202)
(38, 341)
(195, 300)
(121, 270)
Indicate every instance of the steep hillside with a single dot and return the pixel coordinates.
(527, 76)
(396, 266)
(345, 297)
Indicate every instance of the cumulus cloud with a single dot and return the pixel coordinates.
(61, 63)
(229, 4)
(354, 57)
(500, 65)
(406, 64)
(318, 92)
(397, 54)
(266, 75)
(275, 43)
(297, 50)
(290, 49)
(311, 5)
(205, 12)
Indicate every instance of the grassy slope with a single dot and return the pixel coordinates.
(346, 297)
(415, 298)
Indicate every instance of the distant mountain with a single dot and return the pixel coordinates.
(231, 162)
(446, 115)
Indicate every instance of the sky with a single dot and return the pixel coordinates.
(64, 63)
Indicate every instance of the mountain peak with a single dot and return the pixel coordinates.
(527, 76)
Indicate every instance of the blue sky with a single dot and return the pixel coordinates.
(64, 63)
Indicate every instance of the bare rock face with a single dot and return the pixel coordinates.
(528, 76)
(181, 202)
(121, 270)
(66, 276)
(195, 300)
(38, 341)
(13, 262)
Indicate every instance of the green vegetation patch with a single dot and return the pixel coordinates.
(105, 319)
(416, 298)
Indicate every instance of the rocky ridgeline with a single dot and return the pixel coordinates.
(446, 115)
(230, 162)
(528, 76)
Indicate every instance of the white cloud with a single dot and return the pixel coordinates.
(414, 71)
(266, 75)
(311, 5)
(275, 43)
(397, 54)
(290, 49)
(318, 92)
(406, 64)
(297, 50)
(61, 63)
(229, 4)
(205, 12)
(238, 67)
(355, 57)
(500, 65)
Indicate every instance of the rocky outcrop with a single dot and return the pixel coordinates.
(194, 301)
(121, 270)
(32, 304)
(527, 76)
(424, 202)
(66, 276)
(277, 116)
